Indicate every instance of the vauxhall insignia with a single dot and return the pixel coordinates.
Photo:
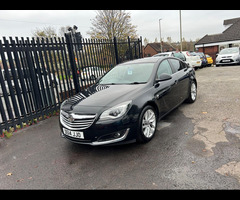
(70, 118)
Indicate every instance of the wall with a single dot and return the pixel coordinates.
(149, 51)
(211, 51)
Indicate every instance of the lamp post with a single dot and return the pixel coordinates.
(160, 34)
(180, 29)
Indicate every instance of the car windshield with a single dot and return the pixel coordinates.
(128, 74)
(229, 50)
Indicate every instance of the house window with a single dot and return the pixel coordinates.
(223, 47)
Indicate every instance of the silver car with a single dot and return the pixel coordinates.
(92, 73)
(228, 56)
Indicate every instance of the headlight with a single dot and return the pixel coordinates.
(116, 111)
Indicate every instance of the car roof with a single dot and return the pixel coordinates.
(163, 53)
(144, 60)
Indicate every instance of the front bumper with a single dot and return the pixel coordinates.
(106, 132)
(227, 61)
(123, 135)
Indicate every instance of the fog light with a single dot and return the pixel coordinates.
(117, 135)
(112, 136)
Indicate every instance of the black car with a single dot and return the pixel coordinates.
(126, 103)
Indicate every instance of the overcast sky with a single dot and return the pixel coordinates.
(195, 23)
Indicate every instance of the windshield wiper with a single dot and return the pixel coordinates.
(107, 83)
(133, 83)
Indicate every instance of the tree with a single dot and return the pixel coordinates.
(112, 23)
(63, 30)
(145, 41)
(45, 32)
(49, 31)
(169, 40)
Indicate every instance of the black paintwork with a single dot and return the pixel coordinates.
(164, 96)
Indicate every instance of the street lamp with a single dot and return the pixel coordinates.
(160, 34)
(180, 28)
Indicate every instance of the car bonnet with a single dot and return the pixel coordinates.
(99, 97)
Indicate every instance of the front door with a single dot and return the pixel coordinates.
(166, 92)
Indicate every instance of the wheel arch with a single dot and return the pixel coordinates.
(154, 105)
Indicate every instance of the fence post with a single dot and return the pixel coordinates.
(72, 62)
(130, 49)
(140, 48)
(116, 49)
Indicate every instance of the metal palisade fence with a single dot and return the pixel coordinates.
(38, 74)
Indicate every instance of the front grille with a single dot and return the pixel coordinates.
(76, 122)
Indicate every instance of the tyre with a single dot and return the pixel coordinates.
(192, 92)
(147, 125)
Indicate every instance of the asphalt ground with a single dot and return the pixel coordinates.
(197, 146)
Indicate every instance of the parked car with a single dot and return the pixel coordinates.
(91, 73)
(202, 57)
(209, 60)
(26, 75)
(176, 54)
(192, 60)
(228, 56)
(125, 104)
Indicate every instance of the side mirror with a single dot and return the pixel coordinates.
(164, 77)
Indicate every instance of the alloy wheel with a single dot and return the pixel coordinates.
(149, 123)
(193, 91)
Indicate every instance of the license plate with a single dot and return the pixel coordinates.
(75, 134)
(225, 60)
(198, 62)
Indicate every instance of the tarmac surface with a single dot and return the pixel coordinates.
(197, 146)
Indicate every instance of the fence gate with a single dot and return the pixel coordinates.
(38, 74)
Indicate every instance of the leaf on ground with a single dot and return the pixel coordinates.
(8, 134)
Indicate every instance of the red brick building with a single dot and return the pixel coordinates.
(154, 48)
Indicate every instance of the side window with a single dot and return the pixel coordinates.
(177, 65)
(164, 67)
